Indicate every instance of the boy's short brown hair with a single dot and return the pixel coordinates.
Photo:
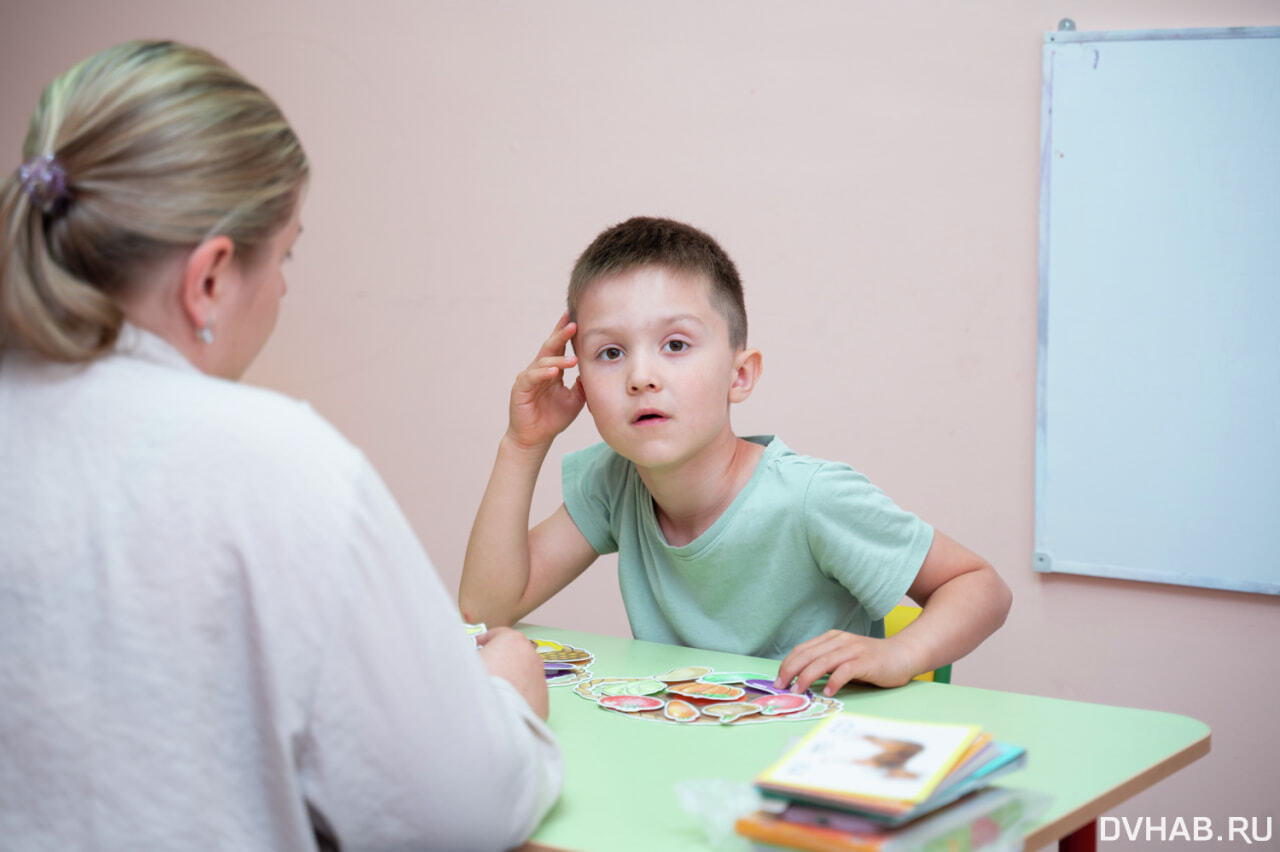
(648, 241)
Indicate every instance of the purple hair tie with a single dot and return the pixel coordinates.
(45, 182)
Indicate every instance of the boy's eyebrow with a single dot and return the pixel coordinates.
(613, 331)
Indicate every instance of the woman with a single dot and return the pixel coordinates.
(217, 629)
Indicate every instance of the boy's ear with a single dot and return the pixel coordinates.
(205, 280)
(747, 366)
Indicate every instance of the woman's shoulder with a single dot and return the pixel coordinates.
(218, 424)
(267, 427)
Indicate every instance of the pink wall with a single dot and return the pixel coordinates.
(873, 169)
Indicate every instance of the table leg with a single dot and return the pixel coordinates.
(1083, 839)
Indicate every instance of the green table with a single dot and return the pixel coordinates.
(620, 772)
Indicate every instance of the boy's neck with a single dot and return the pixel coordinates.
(689, 499)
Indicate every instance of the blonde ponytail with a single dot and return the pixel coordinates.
(41, 306)
(162, 146)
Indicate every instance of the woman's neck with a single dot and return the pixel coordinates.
(153, 303)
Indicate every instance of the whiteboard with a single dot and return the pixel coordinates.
(1158, 422)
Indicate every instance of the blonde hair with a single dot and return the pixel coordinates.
(163, 146)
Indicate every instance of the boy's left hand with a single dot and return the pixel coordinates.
(844, 657)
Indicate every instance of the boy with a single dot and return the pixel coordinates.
(734, 544)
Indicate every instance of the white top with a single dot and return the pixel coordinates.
(216, 628)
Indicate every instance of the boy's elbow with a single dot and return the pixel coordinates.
(1001, 597)
(480, 612)
(477, 609)
(468, 606)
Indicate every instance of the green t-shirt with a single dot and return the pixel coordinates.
(807, 545)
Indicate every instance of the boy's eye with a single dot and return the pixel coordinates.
(610, 353)
(676, 346)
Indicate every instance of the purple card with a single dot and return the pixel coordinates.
(555, 669)
(767, 686)
(764, 686)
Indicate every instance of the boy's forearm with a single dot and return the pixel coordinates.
(495, 570)
(957, 618)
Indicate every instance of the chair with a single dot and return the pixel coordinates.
(898, 618)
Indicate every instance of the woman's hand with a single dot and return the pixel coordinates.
(510, 655)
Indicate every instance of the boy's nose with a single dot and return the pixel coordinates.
(639, 385)
(642, 379)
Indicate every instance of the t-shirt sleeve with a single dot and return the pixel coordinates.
(592, 481)
(862, 539)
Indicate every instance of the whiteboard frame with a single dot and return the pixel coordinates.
(1043, 560)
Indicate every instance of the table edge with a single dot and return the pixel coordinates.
(1088, 812)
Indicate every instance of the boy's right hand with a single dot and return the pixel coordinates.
(843, 657)
(541, 405)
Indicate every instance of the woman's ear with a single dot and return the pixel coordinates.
(747, 366)
(205, 283)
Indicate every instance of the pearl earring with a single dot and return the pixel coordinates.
(205, 334)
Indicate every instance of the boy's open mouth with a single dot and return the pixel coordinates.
(649, 417)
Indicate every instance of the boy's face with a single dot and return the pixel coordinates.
(656, 364)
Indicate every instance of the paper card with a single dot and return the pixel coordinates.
(631, 703)
(553, 666)
(475, 631)
(684, 674)
(592, 689)
(730, 711)
(563, 653)
(680, 711)
(773, 705)
(707, 691)
(644, 686)
(575, 675)
(764, 685)
(731, 677)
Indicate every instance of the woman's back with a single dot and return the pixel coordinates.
(215, 619)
